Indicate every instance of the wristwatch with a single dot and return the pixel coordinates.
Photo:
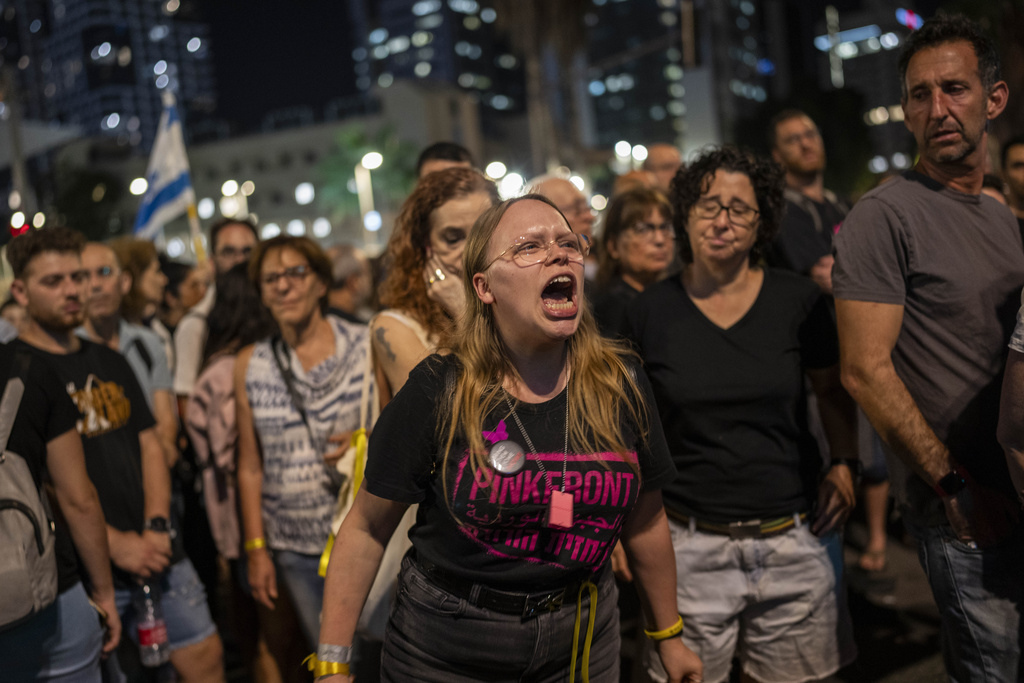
(158, 524)
(953, 483)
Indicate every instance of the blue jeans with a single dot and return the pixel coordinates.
(434, 636)
(60, 644)
(979, 594)
(299, 574)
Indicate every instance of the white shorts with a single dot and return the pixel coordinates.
(777, 602)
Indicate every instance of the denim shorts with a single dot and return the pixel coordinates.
(980, 594)
(183, 600)
(61, 644)
(777, 602)
(435, 636)
(299, 574)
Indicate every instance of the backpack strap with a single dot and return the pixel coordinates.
(12, 397)
(140, 348)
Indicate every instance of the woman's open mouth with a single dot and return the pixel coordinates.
(558, 295)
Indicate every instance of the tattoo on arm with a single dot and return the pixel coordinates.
(385, 345)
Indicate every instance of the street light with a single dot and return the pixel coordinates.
(364, 189)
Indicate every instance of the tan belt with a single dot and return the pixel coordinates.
(754, 528)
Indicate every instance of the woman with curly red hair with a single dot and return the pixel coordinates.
(422, 292)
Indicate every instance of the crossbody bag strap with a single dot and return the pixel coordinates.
(286, 375)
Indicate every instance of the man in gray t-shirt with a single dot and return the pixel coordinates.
(927, 278)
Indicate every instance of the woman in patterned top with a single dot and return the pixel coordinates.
(297, 398)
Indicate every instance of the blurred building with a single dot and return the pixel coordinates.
(277, 177)
(450, 42)
(102, 65)
(859, 50)
(674, 71)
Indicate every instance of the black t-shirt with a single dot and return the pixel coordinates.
(112, 411)
(45, 413)
(492, 531)
(800, 243)
(611, 308)
(732, 401)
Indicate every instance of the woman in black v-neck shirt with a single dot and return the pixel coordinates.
(727, 346)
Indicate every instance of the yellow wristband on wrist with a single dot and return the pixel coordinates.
(325, 668)
(255, 544)
(666, 633)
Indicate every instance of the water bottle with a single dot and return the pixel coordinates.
(152, 630)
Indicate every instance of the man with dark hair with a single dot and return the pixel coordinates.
(813, 214)
(123, 455)
(927, 279)
(232, 241)
(442, 155)
(1012, 159)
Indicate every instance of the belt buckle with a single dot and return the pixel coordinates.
(548, 602)
(748, 529)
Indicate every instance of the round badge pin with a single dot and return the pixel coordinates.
(506, 457)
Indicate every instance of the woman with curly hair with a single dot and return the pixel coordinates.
(423, 290)
(754, 514)
(530, 450)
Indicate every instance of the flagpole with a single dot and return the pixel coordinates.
(197, 233)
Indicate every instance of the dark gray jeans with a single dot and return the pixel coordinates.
(435, 636)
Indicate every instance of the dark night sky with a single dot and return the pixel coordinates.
(274, 54)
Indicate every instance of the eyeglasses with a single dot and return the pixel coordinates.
(295, 275)
(529, 250)
(102, 271)
(577, 208)
(644, 229)
(232, 252)
(739, 214)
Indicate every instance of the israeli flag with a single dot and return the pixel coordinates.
(170, 192)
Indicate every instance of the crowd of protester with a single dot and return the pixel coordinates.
(685, 393)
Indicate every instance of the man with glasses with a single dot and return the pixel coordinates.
(813, 213)
(574, 206)
(231, 242)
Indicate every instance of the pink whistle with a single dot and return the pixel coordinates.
(560, 510)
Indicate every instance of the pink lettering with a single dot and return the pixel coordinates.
(481, 480)
(576, 547)
(573, 484)
(612, 487)
(591, 488)
(531, 483)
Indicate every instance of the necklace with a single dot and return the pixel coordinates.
(559, 513)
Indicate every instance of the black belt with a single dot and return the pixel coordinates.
(524, 605)
(754, 528)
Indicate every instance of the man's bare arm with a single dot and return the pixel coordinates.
(1011, 419)
(867, 335)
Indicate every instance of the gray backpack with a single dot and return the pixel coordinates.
(28, 562)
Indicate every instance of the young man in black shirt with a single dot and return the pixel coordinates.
(123, 455)
(66, 638)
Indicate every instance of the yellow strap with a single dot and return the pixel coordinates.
(666, 633)
(325, 668)
(589, 585)
(325, 556)
(255, 544)
(359, 441)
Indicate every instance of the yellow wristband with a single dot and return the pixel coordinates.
(666, 633)
(325, 668)
(255, 544)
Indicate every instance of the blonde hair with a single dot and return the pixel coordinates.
(601, 384)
